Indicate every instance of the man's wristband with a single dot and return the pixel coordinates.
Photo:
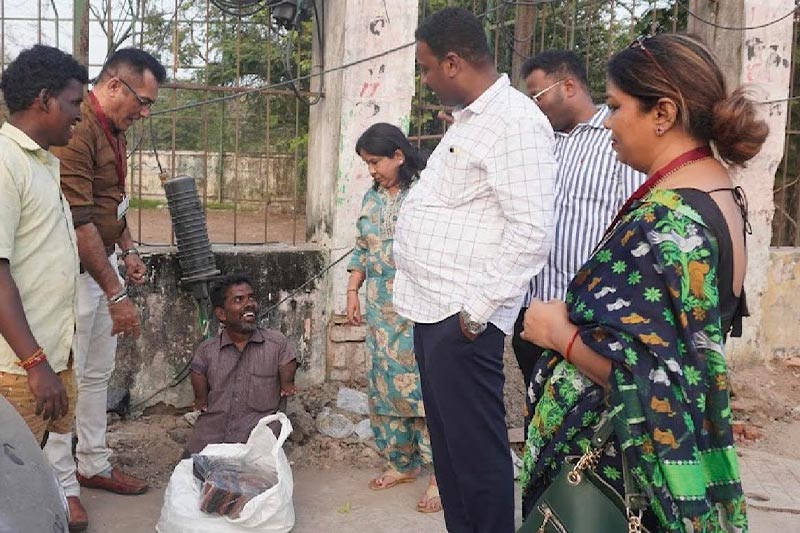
(117, 298)
(129, 251)
(38, 357)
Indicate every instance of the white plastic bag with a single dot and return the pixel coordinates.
(271, 511)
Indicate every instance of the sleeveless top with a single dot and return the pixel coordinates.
(732, 308)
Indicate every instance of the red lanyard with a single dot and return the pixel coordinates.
(116, 143)
(686, 158)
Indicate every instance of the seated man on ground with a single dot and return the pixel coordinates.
(241, 375)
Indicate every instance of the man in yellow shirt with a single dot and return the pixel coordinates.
(43, 90)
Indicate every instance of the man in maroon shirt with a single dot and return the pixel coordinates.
(241, 375)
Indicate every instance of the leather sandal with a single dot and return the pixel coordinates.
(390, 478)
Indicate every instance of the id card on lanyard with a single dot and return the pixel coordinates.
(118, 147)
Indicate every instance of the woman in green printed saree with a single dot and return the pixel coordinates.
(397, 413)
(642, 329)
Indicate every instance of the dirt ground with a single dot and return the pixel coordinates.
(766, 401)
(153, 226)
(149, 446)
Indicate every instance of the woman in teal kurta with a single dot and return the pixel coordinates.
(395, 395)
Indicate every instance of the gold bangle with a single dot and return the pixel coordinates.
(352, 290)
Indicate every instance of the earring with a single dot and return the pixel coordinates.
(659, 131)
(402, 161)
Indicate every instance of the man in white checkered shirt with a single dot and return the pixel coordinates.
(469, 237)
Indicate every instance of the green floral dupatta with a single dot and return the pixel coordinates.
(648, 301)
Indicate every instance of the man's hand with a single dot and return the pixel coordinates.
(125, 318)
(288, 389)
(135, 270)
(49, 392)
(464, 330)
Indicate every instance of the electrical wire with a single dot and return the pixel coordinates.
(287, 57)
(242, 8)
(153, 145)
(780, 100)
(264, 314)
(303, 77)
(135, 146)
(694, 15)
(282, 83)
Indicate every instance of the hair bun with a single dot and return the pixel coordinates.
(737, 131)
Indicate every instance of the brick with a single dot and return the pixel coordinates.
(346, 333)
(336, 355)
(338, 374)
(359, 357)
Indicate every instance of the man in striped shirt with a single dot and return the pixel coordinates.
(591, 183)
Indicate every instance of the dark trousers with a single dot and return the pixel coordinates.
(462, 386)
(527, 355)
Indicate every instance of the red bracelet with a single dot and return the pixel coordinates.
(37, 358)
(569, 346)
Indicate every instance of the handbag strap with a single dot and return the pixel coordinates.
(635, 499)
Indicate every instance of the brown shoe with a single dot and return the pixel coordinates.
(78, 521)
(119, 482)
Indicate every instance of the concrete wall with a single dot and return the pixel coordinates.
(169, 317)
(258, 178)
(780, 316)
(759, 58)
(379, 90)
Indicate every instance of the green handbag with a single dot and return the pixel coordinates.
(579, 501)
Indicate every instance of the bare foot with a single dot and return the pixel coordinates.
(430, 502)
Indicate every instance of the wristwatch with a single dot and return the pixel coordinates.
(472, 325)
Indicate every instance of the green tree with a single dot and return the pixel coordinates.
(595, 30)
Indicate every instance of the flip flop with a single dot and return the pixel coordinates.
(395, 478)
(432, 492)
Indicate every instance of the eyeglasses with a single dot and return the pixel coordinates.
(538, 95)
(639, 43)
(144, 102)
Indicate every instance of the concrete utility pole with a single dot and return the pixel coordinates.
(758, 57)
(378, 90)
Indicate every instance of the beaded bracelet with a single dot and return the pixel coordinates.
(37, 358)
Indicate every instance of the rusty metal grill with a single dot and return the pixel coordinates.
(595, 29)
(248, 153)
